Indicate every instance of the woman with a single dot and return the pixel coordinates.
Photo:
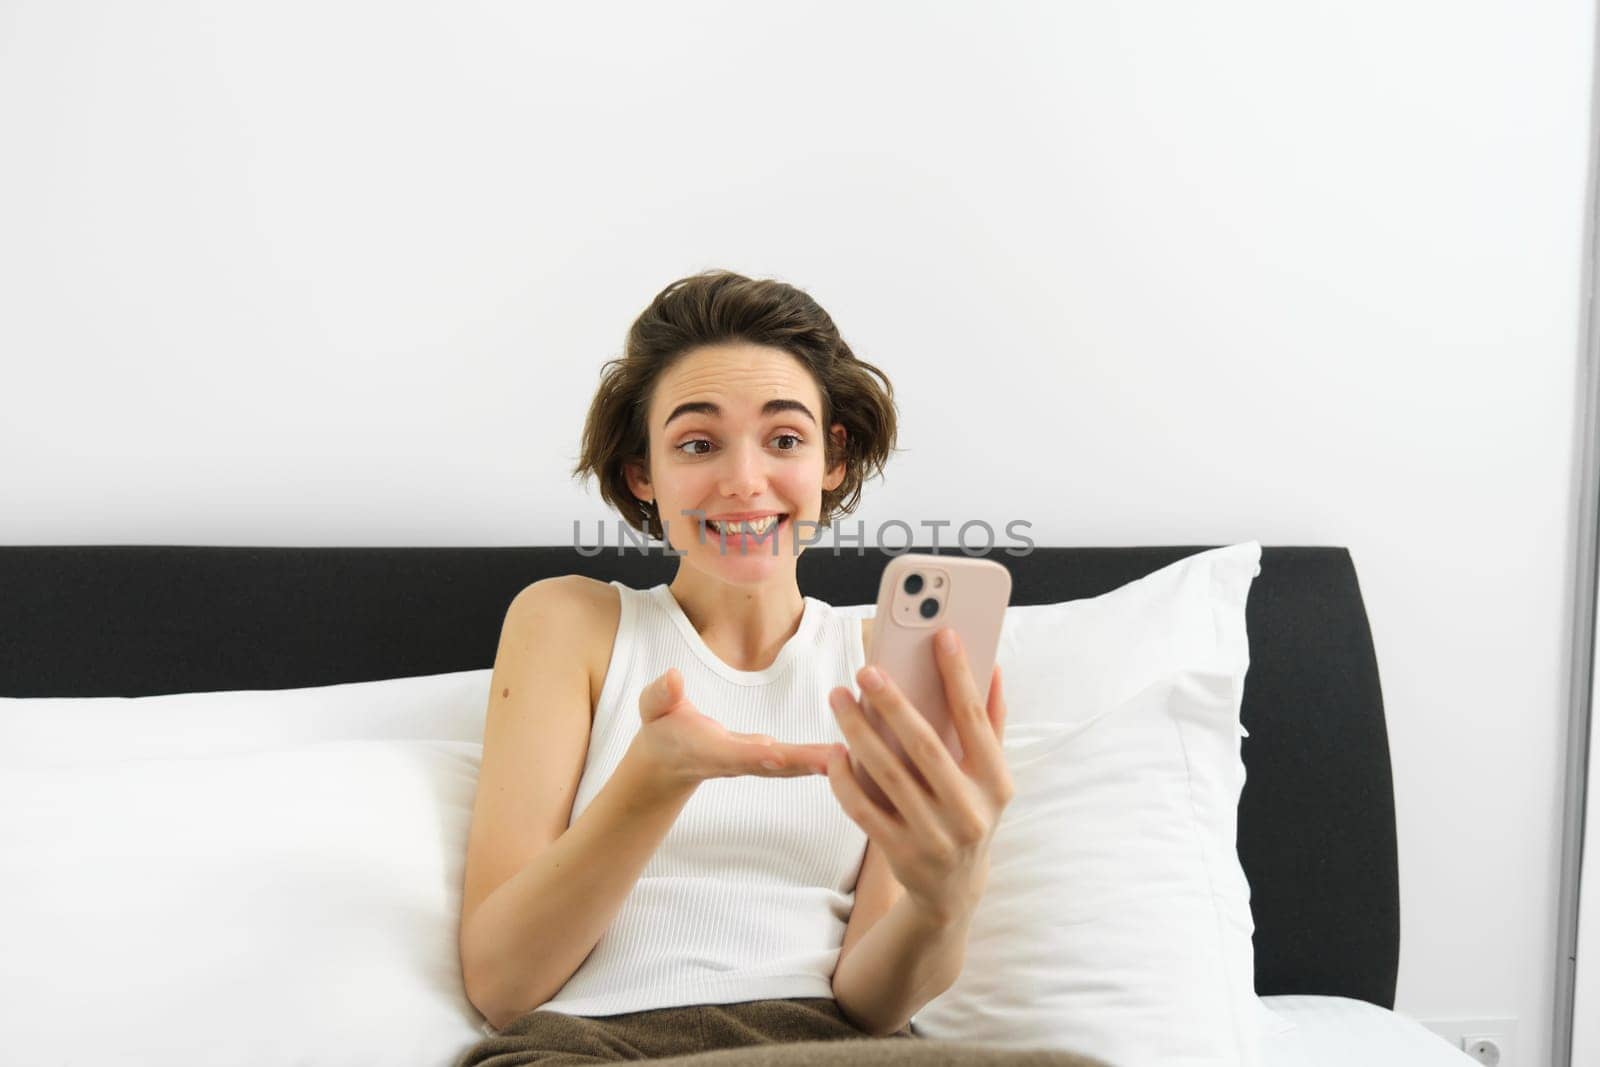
(646, 877)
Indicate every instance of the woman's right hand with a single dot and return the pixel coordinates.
(688, 747)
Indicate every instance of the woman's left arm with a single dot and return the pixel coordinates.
(906, 959)
(936, 841)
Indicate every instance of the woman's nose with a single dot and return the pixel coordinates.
(745, 472)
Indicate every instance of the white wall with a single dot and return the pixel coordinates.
(1157, 273)
(1586, 994)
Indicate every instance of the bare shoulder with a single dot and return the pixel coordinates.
(590, 610)
(534, 743)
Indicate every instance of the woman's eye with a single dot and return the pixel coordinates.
(684, 446)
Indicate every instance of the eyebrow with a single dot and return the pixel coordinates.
(706, 407)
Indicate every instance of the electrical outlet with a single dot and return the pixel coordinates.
(1491, 1042)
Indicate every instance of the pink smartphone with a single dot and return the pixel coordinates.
(919, 595)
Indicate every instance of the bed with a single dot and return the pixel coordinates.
(1316, 828)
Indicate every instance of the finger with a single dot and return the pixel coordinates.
(661, 695)
(743, 754)
(882, 827)
(917, 737)
(980, 749)
(760, 739)
(997, 715)
(893, 777)
(997, 705)
(813, 757)
(803, 759)
(761, 750)
(790, 769)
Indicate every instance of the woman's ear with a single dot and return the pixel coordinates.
(835, 474)
(638, 480)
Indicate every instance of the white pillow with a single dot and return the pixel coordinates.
(291, 906)
(1116, 921)
(92, 832)
(65, 730)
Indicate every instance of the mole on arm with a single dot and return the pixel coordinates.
(505, 693)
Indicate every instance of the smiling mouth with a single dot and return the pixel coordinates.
(737, 529)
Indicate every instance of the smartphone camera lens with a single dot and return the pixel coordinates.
(930, 608)
(913, 584)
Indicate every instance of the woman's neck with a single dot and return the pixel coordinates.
(745, 625)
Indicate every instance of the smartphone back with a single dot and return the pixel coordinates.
(918, 595)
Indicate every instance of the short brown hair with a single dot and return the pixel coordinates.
(720, 307)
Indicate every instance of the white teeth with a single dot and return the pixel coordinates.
(748, 526)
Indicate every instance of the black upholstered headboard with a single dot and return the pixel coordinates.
(1316, 819)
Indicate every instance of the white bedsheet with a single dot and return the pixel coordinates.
(1323, 1031)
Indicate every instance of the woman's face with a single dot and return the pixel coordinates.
(733, 430)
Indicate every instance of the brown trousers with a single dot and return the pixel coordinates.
(763, 1033)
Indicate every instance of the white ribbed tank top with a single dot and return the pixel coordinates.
(748, 895)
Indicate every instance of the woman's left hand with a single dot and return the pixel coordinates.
(936, 842)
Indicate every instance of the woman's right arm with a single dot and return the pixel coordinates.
(538, 895)
(531, 934)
